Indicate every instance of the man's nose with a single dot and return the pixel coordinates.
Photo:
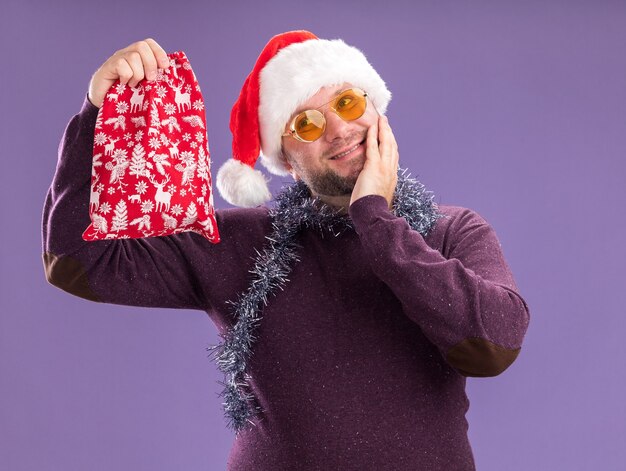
(336, 128)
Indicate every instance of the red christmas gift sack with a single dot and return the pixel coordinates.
(151, 171)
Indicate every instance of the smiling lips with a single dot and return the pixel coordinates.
(346, 152)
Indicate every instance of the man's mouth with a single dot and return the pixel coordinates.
(346, 152)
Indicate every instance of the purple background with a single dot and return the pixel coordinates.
(514, 109)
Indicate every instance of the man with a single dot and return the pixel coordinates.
(352, 311)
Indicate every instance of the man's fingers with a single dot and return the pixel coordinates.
(384, 136)
(148, 59)
(390, 137)
(144, 58)
(130, 65)
(163, 62)
(389, 146)
(135, 62)
(123, 69)
(372, 141)
(394, 143)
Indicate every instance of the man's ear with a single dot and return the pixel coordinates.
(294, 174)
(289, 167)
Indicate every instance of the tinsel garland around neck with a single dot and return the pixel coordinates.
(294, 210)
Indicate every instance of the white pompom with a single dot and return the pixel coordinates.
(241, 185)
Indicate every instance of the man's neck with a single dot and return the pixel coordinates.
(341, 203)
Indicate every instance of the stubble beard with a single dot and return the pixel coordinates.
(328, 182)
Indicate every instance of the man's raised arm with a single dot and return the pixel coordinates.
(179, 271)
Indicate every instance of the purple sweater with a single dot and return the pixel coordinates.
(360, 363)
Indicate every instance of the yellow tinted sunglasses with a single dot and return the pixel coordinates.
(309, 125)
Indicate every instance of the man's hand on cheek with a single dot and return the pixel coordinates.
(380, 171)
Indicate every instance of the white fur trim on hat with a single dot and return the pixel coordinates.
(241, 185)
(299, 71)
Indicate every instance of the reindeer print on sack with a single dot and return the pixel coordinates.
(182, 99)
(136, 101)
(162, 198)
(150, 164)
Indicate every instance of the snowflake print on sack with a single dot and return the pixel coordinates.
(105, 208)
(147, 206)
(100, 138)
(121, 107)
(198, 105)
(141, 187)
(151, 166)
(170, 108)
(176, 210)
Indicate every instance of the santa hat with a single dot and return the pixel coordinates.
(292, 68)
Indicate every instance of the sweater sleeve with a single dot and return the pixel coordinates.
(179, 271)
(465, 302)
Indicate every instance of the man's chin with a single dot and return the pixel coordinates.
(331, 184)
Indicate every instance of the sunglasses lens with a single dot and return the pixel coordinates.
(350, 105)
(310, 125)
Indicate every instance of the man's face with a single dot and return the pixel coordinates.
(323, 164)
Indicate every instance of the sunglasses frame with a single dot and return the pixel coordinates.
(292, 127)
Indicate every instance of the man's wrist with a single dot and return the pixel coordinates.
(367, 206)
